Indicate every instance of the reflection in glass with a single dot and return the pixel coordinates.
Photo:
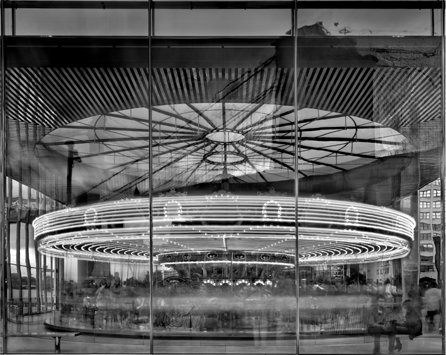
(372, 22)
(222, 22)
(379, 300)
(214, 203)
(81, 22)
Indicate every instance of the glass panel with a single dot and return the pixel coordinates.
(81, 22)
(372, 22)
(370, 114)
(65, 67)
(203, 144)
(222, 22)
(223, 186)
(430, 251)
(14, 310)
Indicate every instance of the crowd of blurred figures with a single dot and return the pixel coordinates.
(251, 305)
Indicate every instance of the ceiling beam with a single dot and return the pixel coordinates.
(203, 5)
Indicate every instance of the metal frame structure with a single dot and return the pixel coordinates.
(20, 46)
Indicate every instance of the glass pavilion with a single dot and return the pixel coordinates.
(222, 176)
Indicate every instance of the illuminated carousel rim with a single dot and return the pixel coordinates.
(226, 257)
(329, 231)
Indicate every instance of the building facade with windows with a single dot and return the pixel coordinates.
(221, 177)
(430, 234)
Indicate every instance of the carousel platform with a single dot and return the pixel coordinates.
(167, 333)
(187, 333)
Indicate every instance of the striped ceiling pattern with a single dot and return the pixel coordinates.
(46, 89)
(53, 97)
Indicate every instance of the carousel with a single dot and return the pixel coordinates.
(224, 186)
(232, 258)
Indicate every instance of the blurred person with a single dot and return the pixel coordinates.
(70, 289)
(160, 315)
(116, 280)
(317, 288)
(415, 297)
(412, 293)
(114, 311)
(389, 291)
(90, 310)
(339, 287)
(65, 309)
(411, 325)
(126, 305)
(432, 299)
(332, 288)
(382, 321)
(286, 284)
(101, 305)
(310, 287)
(258, 314)
(211, 316)
(238, 308)
(140, 305)
(374, 287)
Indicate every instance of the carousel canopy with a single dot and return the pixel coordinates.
(368, 125)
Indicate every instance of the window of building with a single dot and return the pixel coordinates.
(436, 204)
(436, 215)
(426, 259)
(437, 193)
(425, 215)
(426, 193)
(383, 271)
(436, 227)
(425, 236)
(427, 247)
(425, 226)
(427, 268)
(425, 204)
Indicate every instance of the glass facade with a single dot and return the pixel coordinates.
(222, 177)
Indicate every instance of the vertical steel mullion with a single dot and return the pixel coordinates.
(443, 172)
(8, 240)
(152, 19)
(36, 253)
(53, 286)
(44, 264)
(3, 135)
(13, 20)
(296, 171)
(27, 246)
(45, 285)
(149, 105)
(55, 267)
(61, 278)
(19, 244)
(58, 276)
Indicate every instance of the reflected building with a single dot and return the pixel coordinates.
(430, 231)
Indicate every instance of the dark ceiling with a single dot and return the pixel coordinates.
(52, 82)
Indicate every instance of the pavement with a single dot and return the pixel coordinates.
(429, 343)
(110, 345)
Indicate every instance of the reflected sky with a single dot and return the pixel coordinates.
(222, 22)
(340, 22)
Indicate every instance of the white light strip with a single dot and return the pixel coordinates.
(329, 230)
(226, 262)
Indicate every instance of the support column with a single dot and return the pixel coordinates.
(410, 265)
